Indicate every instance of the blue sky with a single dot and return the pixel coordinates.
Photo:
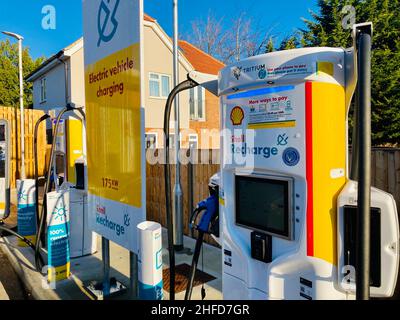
(24, 17)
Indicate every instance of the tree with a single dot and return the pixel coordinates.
(288, 43)
(247, 38)
(9, 76)
(326, 29)
(270, 46)
(208, 35)
(239, 38)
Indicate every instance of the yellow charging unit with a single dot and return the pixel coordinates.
(75, 146)
(288, 207)
(70, 164)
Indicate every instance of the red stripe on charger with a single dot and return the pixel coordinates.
(309, 169)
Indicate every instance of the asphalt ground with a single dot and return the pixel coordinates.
(8, 277)
(10, 281)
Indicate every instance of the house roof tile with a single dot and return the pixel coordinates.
(200, 60)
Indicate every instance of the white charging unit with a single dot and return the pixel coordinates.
(150, 262)
(26, 210)
(284, 180)
(71, 153)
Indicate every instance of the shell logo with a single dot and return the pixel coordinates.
(237, 116)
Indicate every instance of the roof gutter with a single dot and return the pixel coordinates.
(45, 66)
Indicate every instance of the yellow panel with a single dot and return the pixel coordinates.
(59, 273)
(329, 153)
(325, 67)
(23, 244)
(272, 125)
(114, 128)
(74, 147)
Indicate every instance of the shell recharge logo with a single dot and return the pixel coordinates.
(237, 116)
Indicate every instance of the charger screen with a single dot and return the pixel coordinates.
(263, 204)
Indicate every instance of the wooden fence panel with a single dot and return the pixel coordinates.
(12, 115)
(156, 189)
(385, 171)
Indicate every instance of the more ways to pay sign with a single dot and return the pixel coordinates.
(115, 119)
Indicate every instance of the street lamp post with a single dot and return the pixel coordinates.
(21, 99)
(178, 193)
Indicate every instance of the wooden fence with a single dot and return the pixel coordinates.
(12, 115)
(156, 189)
(385, 175)
(386, 171)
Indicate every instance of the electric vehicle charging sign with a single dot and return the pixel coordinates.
(115, 126)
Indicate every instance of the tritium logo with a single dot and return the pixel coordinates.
(262, 74)
(261, 69)
(237, 72)
(105, 17)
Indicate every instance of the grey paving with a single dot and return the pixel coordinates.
(86, 269)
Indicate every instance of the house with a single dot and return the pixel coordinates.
(60, 79)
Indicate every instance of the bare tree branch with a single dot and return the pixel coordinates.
(230, 41)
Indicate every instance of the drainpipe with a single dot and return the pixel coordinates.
(66, 79)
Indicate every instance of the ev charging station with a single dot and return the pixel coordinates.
(288, 208)
(284, 163)
(63, 218)
(63, 210)
(69, 175)
(295, 224)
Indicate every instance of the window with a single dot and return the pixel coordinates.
(151, 141)
(197, 101)
(159, 85)
(43, 90)
(193, 141)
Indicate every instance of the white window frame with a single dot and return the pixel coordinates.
(155, 134)
(160, 75)
(43, 90)
(196, 104)
(196, 139)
